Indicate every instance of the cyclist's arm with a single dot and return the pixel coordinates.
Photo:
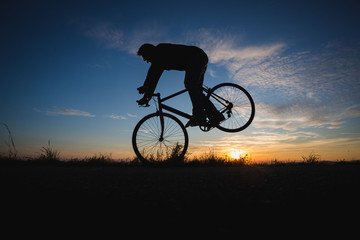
(153, 77)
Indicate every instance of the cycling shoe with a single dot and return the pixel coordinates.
(144, 102)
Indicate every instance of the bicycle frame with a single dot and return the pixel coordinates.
(183, 114)
(171, 109)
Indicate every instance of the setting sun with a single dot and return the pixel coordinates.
(236, 153)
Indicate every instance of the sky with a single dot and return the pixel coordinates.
(69, 74)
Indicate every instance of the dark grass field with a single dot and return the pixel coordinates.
(180, 199)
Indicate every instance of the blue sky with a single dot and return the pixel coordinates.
(69, 73)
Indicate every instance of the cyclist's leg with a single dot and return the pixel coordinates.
(194, 78)
(212, 113)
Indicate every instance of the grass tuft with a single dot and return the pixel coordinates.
(100, 159)
(311, 159)
(12, 153)
(48, 154)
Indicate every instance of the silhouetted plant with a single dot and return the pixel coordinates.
(242, 160)
(175, 155)
(311, 159)
(10, 144)
(49, 154)
(99, 159)
(208, 159)
(169, 155)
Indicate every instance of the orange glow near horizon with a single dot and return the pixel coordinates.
(236, 153)
(257, 151)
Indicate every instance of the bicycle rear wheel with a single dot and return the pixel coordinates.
(235, 103)
(148, 145)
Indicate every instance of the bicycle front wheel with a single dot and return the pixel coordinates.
(150, 147)
(235, 103)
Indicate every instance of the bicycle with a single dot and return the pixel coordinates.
(160, 136)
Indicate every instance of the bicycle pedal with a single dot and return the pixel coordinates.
(206, 128)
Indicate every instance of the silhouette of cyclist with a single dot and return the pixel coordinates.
(190, 59)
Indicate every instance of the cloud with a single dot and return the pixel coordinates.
(110, 36)
(226, 49)
(276, 66)
(211, 72)
(107, 35)
(65, 111)
(264, 67)
(150, 33)
(132, 115)
(268, 138)
(297, 115)
(291, 89)
(293, 116)
(113, 116)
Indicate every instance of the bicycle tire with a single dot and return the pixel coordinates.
(243, 110)
(146, 139)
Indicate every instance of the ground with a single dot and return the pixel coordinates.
(218, 199)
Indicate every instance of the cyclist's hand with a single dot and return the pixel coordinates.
(144, 102)
(142, 89)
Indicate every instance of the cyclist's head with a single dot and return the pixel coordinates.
(146, 51)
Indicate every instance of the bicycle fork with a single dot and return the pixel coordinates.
(161, 115)
(161, 138)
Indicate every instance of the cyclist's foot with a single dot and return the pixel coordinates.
(216, 119)
(144, 102)
(194, 121)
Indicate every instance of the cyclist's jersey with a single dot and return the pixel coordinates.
(174, 56)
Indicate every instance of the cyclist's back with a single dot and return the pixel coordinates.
(174, 56)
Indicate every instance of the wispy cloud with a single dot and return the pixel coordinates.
(132, 115)
(111, 36)
(315, 90)
(65, 111)
(292, 116)
(107, 35)
(291, 89)
(225, 49)
(114, 116)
